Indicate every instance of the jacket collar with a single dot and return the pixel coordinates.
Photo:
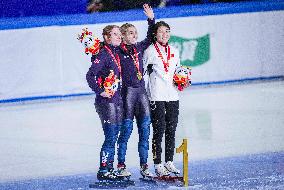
(162, 47)
(112, 48)
(128, 49)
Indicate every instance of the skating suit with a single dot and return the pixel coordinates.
(110, 110)
(134, 97)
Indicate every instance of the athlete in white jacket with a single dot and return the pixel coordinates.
(160, 61)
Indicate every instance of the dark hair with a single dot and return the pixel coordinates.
(159, 24)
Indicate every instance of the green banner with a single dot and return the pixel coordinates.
(193, 52)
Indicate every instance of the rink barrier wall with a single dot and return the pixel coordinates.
(62, 97)
(49, 63)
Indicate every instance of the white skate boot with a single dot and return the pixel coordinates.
(122, 171)
(160, 170)
(171, 168)
(145, 172)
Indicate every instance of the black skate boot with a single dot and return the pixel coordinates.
(106, 174)
(107, 179)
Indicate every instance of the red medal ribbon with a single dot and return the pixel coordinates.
(115, 58)
(134, 57)
(166, 64)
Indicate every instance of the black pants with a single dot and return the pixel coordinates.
(164, 117)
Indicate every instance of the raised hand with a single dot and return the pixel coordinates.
(148, 11)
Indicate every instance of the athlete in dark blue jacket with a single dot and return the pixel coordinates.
(135, 100)
(104, 79)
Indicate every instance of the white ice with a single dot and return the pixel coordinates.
(64, 137)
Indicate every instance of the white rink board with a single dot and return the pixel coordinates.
(50, 61)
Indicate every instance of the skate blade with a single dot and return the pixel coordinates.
(148, 179)
(123, 178)
(169, 178)
(105, 184)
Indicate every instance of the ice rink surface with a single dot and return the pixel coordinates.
(235, 135)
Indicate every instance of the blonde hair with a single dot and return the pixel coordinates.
(124, 27)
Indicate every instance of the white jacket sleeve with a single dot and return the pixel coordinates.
(145, 65)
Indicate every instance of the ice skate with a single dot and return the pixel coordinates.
(145, 172)
(122, 171)
(160, 170)
(171, 168)
(105, 174)
(108, 179)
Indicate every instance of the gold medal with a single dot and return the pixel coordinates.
(139, 75)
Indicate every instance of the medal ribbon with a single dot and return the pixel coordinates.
(166, 64)
(134, 58)
(115, 58)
